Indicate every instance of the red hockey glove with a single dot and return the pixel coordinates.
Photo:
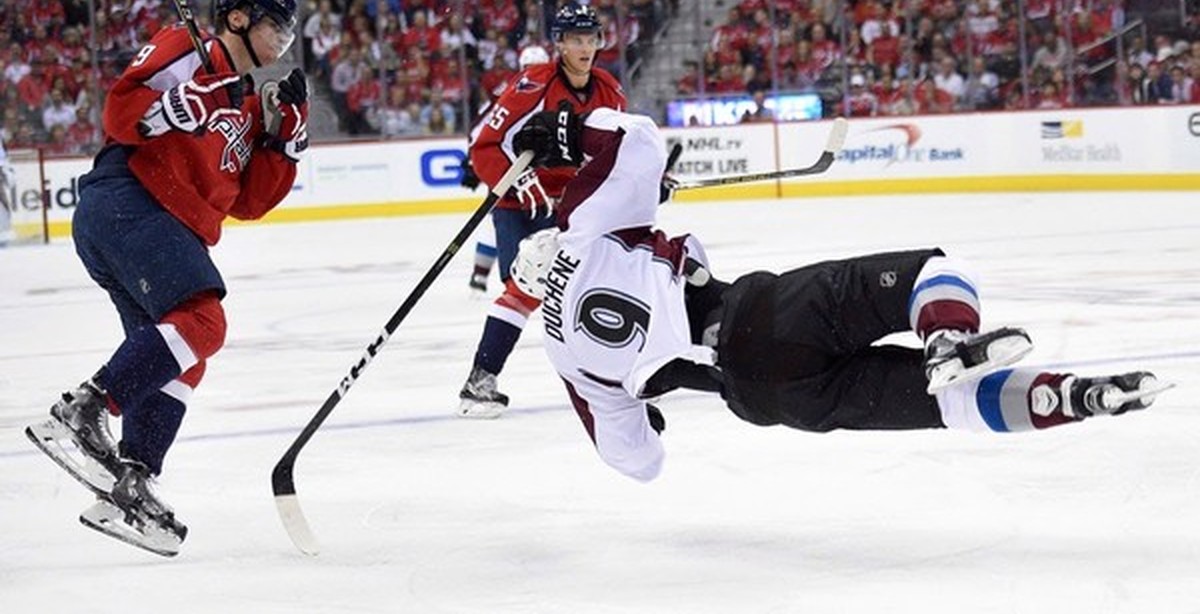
(191, 105)
(285, 114)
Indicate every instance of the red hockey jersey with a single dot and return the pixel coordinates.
(199, 179)
(539, 88)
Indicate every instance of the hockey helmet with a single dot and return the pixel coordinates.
(574, 17)
(281, 15)
(531, 55)
(534, 255)
(282, 12)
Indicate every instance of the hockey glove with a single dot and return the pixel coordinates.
(531, 193)
(191, 105)
(553, 136)
(470, 179)
(285, 115)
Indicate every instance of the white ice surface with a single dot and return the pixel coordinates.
(420, 512)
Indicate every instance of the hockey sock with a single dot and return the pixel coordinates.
(149, 357)
(1000, 402)
(149, 429)
(485, 258)
(506, 319)
(944, 296)
(499, 338)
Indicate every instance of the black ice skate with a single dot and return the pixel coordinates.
(953, 356)
(1084, 397)
(478, 281)
(134, 514)
(479, 397)
(81, 417)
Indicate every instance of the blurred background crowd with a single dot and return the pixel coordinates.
(408, 68)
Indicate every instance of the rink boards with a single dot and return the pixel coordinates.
(1155, 148)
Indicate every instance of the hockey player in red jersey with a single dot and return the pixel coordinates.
(187, 145)
(485, 245)
(631, 314)
(572, 81)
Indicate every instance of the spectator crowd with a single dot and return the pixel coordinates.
(397, 68)
(941, 56)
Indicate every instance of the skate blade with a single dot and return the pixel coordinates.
(476, 410)
(107, 518)
(49, 436)
(1147, 395)
(1001, 353)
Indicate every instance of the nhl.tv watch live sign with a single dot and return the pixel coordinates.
(442, 167)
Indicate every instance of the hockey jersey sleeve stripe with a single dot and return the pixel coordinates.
(174, 72)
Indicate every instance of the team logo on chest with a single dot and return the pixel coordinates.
(236, 152)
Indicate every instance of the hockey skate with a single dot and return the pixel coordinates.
(81, 417)
(1084, 397)
(479, 397)
(478, 282)
(134, 514)
(953, 356)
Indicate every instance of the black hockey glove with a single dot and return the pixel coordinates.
(553, 136)
(470, 179)
(657, 421)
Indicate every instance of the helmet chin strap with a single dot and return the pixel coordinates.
(244, 34)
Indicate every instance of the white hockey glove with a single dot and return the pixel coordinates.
(285, 114)
(191, 105)
(532, 194)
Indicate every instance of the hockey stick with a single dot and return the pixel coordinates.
(189, 21)
(282, 482)
(837, 137)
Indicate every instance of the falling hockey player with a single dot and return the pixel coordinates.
(631, 314)
(575, 81)
(186, 147)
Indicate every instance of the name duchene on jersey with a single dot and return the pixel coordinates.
(556, 283)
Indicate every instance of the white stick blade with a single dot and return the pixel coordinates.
(296, 525)
(837, 136)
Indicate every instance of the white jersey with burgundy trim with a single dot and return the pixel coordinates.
(614, 308)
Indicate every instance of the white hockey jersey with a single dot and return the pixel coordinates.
(614, 305)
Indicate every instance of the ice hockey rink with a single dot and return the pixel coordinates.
(418, 511)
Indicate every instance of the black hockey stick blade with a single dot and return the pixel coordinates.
(833, 145)
(282, 480)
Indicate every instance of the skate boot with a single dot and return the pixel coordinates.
(134, 514)
(81, 417)
(478, 281)
(1084, 397)
(953, 356)
(479, 397)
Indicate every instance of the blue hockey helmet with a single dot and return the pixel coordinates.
(574, 17)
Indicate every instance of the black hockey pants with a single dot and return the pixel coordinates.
(796, 349)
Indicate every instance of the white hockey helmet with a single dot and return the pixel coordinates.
(534, 255)
(533, 54)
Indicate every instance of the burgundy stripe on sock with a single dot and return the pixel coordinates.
(1057, 418)
(937, 315)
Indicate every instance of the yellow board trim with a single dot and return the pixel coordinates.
(764, 190)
